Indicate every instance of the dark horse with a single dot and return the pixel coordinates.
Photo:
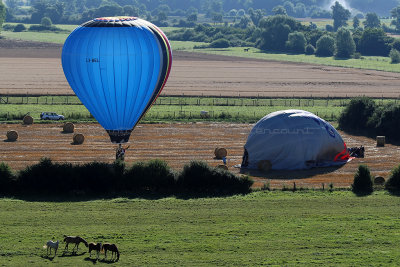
(111, 247)
(75, 240)
(95, 246)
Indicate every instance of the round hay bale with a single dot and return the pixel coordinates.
(379, 180)
(264, 165)
(78, 139)
(220, 152)
(12, 135)
(68, 127)
(224, 167)
(27, 120)
(380, 141)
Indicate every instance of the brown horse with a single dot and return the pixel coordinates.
(95, 246)
(75, 240)
(111, 247)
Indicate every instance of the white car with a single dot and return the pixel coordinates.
(51, 116)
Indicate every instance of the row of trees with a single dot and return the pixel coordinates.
(77, 11)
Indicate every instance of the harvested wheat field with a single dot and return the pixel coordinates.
(35, 68)
(178, 144)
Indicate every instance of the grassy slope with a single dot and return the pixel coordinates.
(280, 228)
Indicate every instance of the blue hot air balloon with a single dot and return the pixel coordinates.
(117, 66)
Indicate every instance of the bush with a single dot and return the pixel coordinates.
(393, 183)
(296, 42)
(388, 121)
(394, 56)
(8, 27)
(374, 42)
(46, 21)
(198, 177)
(7, 178)
(310, 50)
(47, 178)
(356, 115)
(362, 183)
(19, 28)
(345, 45)
(220, 43)
(325, 46)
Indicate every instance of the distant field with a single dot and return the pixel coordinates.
(278, 228)
(373, 63)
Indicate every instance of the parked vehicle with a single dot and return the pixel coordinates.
(51, 116)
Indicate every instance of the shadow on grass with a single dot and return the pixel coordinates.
(94, 261)
(71, 254)
(289, 175)
(47, 257)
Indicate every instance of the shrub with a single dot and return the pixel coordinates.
(296, 42)
(310, 50)
(198, 177)
(220, 43)
(388, 121)
(19, 28)
(8, 27)
(374, 42)
(362, 183)
(393, 183)
(152, 175)
(46, 177)
(394, 56)
(356, 115)
(325, 46)
(46, 21)
(7, 178)
(345, 45)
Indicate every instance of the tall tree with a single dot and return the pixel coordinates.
(395, 12)
(345, 45)
(340, 15)
(2, 13)
(356, 22)
(372, 21)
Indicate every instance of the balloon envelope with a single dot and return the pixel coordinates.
(117, 67)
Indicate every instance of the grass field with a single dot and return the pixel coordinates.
(168, 109)
(263, 228)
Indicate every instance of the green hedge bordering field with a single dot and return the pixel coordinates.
(116, 179)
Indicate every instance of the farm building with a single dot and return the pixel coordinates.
(293, 139)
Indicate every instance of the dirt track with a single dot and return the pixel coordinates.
(178, 144)
(35, 68)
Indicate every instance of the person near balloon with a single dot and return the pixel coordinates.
(120, 152)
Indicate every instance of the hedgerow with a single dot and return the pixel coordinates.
(47, 178)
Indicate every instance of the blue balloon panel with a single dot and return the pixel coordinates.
(117, 67)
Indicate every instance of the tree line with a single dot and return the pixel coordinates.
(79, 11)
(282, 33)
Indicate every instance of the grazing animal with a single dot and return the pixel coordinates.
(111, 247)
(95, 246)
(246, 49)
(51, 245)
(75, 240)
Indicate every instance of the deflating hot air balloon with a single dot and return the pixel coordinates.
(117, 66)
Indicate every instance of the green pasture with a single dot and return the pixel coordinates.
(365, 62)
(304, 228)
(169, 109)
(172, 109)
